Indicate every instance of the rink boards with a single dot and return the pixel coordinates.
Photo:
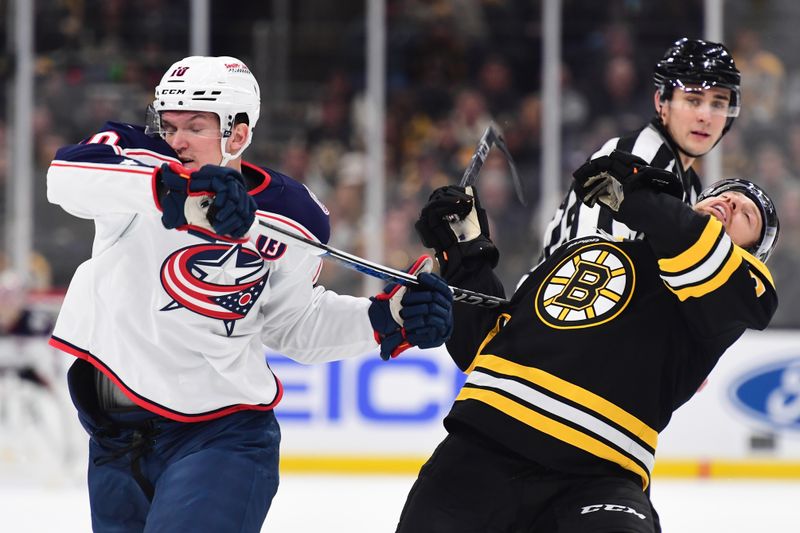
(367, 415)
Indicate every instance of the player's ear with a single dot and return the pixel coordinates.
(659, 104)
(238, 137)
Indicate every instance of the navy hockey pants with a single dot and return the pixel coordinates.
(153, 475)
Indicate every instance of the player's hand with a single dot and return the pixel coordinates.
(608, 179)
(172, 184)
(453, 214)
(231, 212)
(419, 315)
(455, 225)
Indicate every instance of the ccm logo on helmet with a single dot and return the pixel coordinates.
(173, 91)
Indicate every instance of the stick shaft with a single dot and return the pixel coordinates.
(268, 229)
(492, 136)
(488, 139)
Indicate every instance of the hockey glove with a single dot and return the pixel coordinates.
(172, 184)
(419, 315)
(455, 225)
(608, 179)
(231, 212)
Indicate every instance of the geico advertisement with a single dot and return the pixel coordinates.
(749, 407)
(366, 404)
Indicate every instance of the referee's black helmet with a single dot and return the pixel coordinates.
(698, 63)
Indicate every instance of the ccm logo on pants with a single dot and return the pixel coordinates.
(610, 507)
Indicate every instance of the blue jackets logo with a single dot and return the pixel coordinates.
(771, 394)
(214, 280)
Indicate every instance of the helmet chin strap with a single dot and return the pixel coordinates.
(227, 156)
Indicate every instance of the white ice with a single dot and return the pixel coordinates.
(356, 504)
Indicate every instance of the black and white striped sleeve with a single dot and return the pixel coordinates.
(573, 219)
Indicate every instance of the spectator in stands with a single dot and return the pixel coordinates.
(763, 78)
(496, 83)
(470, 116)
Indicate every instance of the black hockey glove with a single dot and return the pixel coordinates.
(231, 212)
(609, 178)
(419, 315)
(454, 224)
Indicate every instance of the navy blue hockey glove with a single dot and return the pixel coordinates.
(232, 210)
(609, 178)
(420, 315)
(172, 183)
(455, 225)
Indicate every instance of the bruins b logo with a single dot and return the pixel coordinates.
(591, 286)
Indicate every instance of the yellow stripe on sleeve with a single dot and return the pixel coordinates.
(695, 253)
(715, 282)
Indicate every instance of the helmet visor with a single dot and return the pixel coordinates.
(700, 95)
(152, 122)
(155, 126)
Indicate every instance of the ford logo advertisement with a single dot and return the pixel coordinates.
(771, 394)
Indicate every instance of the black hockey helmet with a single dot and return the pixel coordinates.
(770, 226)
(694, 62)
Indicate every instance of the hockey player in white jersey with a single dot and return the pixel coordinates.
(696, 100)
(169, 317)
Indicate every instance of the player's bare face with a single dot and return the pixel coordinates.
(738, 214)
(194, 135)
(695, 118)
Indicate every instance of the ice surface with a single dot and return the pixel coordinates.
(338, 504)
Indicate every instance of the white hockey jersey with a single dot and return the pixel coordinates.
(178, 319)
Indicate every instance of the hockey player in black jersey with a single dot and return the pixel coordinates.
(570, 384)
(696, 100)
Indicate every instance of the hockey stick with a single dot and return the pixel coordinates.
(263, 227)
(492, 136)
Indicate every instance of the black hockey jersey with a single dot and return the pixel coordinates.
(605, 339)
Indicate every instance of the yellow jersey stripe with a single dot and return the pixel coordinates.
(554, 428)
(695, 253)
(574, 393)
(588, 423)
(760, 266)
(713, 283)
(504, 317)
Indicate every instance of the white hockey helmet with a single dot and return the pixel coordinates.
(222, 85)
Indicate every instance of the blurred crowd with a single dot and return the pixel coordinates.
(453, 66)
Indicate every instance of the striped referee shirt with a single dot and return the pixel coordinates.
(574, 219)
